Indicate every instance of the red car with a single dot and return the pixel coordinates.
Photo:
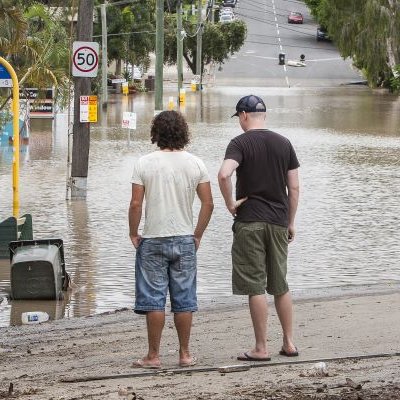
(295, 18)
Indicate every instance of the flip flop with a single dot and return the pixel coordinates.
(140, 364)
(283, 352)
(191, 363)
(248, 357)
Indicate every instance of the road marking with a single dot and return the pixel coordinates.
(263, 57)
(326, 59)
(284, 67)
(279, 39)
(280, 46)
(287, 81)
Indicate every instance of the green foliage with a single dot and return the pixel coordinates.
(395, 80)
(130, 32)
(219, 42)
(368, 31)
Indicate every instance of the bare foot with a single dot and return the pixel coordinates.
(289, 351)
(145, 362)
(188, 362)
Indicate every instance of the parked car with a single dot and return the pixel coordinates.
(226, 10)
(322, 34)
(226, 18)
(229, 3)
(295, 18)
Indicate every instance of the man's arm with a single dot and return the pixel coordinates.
(225, 185)
(135, 213)
(204, 192)
(293, 195)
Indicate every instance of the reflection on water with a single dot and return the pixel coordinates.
(348, 144)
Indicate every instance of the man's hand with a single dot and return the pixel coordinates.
(234, 205)
(136, 239)
(291, 233)
(197, 242)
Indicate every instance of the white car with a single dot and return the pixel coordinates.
(226, 18)
(226, 10)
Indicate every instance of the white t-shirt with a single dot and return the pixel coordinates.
(170, 179)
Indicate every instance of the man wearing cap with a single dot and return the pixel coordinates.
(267, 186)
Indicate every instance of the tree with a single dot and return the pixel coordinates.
(219, 42)
(130, 33)
(36, 44)
(368, 31)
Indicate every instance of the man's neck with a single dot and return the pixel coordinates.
(255, 127)
(170, 150)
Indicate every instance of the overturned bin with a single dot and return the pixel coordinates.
(37, 269)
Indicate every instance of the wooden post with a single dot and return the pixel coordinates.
(81, 131)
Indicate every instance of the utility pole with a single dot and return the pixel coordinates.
(159, 55)
(104, 54)
(211, 10)
(199, 41)
(179, 46)
(81, 131)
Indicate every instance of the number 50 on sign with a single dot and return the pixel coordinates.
(85, 59)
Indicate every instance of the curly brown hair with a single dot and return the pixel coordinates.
(170, 130)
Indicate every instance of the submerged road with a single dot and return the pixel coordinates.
(268, 35)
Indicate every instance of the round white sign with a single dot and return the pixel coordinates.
(85, 59)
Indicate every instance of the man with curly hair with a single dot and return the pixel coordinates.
(168, 180)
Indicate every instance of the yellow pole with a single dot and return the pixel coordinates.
(15, 110)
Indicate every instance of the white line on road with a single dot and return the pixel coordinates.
(263, 57)
(326, 59)
(287, 81)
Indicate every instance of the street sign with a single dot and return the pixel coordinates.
(118, 80)
(88, 109)
(129, 120)
(85, 59)
(5, 77)
(40, 102)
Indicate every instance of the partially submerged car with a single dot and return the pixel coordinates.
(295, 18)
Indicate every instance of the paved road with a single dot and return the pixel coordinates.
(270, 34)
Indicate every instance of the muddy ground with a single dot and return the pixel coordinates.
(90, 358)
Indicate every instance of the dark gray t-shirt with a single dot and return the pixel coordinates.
(264, 158)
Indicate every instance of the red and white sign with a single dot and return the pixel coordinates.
(85, 59)
(129, 120)
(88, 109)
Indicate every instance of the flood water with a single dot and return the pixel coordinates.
(347, 141)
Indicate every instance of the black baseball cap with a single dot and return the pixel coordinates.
(250, 104)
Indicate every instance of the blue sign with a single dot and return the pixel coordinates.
(4, 74)
(5, 77)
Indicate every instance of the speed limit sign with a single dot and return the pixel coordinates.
(85, 59)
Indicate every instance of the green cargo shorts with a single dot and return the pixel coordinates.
(259, 258)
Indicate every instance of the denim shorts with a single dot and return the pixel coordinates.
(164, 264)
